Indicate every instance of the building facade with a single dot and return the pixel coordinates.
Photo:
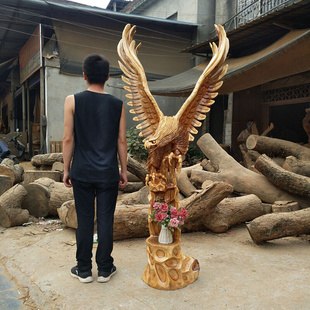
(48, 54)
(267, 79)
(268, 75)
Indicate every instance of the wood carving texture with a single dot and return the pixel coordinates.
(167, 139)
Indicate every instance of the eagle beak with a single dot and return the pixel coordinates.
(148, 143)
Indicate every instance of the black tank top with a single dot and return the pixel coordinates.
(96, 125)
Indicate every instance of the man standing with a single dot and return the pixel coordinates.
(251, 128)
(94, 134)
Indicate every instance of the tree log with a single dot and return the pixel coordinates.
(132, 178)
(136, 168)
(188, 170)
(289, 181)
(184, 184)
(208, 166)
(285, 206)
(243, 180)
(46, 159)
(67, 214)
(231, 211)
(132, 221)
(297, 166)
(277, 147)
(248, 157)
(58, 166)
(253, 155)
(15, 172)
(131, 187)
(139, 197)
(59, 193)
(5, 183)
(37, 200)
(11, 213)
(203, 203)
(279, 225)
(32, 175)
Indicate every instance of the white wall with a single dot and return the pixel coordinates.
(187, 10)
(202, 12)
(59, 86)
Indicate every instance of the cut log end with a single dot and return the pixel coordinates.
(279, 225)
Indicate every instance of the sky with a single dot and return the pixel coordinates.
(98, 3)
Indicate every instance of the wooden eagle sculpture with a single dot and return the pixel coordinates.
(167, 139)
(169, 135)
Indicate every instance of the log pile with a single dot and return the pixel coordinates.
(39, 198)
(242, 179)
(14, 171)
(286, 165)
(218, 193)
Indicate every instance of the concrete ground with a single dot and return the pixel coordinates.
(35, 264)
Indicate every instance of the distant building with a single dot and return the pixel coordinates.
(42, 48)
(268, 77)
(116, 5)
(269, 70)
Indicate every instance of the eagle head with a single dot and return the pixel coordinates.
(166, 132)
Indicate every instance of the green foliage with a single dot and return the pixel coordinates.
(194, 152)
(135, 146)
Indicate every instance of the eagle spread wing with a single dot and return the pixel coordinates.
(194, 108)
(145, 105)
(197, 104)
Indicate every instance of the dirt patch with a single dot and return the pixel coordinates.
(235, 273)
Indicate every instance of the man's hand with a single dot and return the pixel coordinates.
(67, 180)
(123, 179)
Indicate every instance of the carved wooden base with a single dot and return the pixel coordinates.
(168, 268)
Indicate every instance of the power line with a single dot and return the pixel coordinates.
(117, 20)
(93, 47)
(160, 46)
(23, 11)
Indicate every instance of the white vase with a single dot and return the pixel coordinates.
(165, 236)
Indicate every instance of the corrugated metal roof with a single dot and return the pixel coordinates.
(19, 19)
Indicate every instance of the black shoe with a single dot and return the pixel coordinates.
(105, 276)
(84, 277)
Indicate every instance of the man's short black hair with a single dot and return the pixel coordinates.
(96, 69)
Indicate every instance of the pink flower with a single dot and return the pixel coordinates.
(181, 222)
(184, 214)
(164, 207)
(174, 212)
(174, 222)
(156, 206)
(159, 217)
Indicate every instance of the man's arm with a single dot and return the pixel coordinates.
(122, 149)
(68, 139)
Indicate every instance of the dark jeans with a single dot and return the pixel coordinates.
(84, 195)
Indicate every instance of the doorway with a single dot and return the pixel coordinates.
(287, 120)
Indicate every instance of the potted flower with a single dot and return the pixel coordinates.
(169, 218)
